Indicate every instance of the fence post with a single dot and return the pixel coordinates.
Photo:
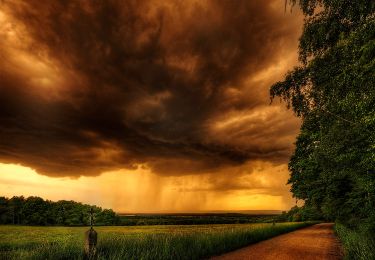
(91, 238)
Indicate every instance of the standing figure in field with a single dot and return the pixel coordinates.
(91, 238)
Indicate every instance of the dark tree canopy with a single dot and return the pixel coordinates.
(333, 165)
(36, 211)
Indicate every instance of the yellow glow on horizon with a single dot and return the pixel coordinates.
(142, 191)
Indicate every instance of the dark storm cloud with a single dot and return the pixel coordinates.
(115, 84)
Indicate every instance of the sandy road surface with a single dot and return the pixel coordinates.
(315, 242)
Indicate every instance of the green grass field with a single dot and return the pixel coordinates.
(135, 242)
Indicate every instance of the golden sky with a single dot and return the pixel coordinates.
(147, 106)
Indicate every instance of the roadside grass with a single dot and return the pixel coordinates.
(356, 245)
(148, 242)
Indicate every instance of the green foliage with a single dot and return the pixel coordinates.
(147, 242)
(304, 213)
(333, 165)
(357, 244)
(36, 211)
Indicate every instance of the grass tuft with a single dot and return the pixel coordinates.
(357, 245)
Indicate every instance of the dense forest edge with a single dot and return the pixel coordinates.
(332, 91)
(39, 212)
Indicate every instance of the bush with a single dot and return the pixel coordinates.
(304, 213)
(358, 243)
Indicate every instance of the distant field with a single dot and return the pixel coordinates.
(195, 219)
(135, 242)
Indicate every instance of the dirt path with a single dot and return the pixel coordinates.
(315, 242)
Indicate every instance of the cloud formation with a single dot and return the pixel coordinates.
(180, 87)
(259, 186)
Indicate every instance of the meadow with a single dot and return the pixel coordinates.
(135, 242)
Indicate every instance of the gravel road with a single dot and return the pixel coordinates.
(312, 243)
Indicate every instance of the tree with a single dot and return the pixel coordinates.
(15, 204)
(333, 92)
(36, 211)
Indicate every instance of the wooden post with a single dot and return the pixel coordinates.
(91, 238)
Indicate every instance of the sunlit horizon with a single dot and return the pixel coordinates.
(129, 191)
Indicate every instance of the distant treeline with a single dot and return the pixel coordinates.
(195, 219)
(36, 211)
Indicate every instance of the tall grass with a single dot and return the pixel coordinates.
(357, 245)
(176, 245)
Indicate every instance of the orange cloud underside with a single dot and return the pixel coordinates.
(142, 191)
